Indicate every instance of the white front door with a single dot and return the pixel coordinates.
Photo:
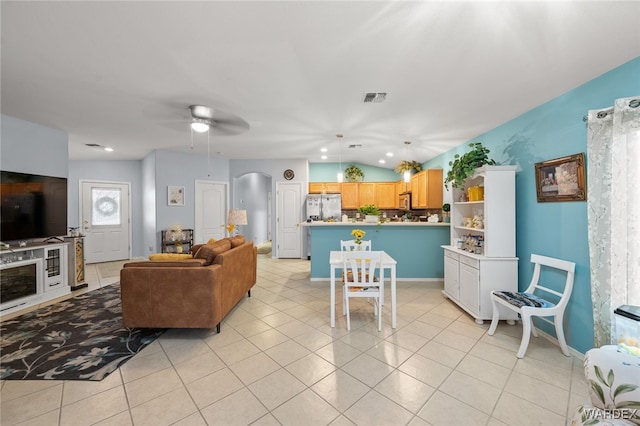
(105, 218)
(288, 218)
(210, 211)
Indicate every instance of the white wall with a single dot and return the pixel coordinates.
(31, 148)
(110, 171)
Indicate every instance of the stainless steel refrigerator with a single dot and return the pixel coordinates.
(324, 206)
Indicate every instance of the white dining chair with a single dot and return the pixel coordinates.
(350, 245)
(534, 302)
(362, 278)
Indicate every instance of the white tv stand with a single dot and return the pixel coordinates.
(32, 274)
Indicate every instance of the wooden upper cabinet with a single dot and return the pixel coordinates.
(417, 188)
(387, 195)
(350, 195)
(315, 187)
(324, 187)
(434, 189)
(367, 193)
(426, 189)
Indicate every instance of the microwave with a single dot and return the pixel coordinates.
(404, 202)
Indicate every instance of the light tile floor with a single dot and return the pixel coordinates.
(277, 361)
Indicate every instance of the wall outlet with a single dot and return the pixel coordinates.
(150, 249)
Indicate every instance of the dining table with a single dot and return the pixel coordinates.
(387, 263)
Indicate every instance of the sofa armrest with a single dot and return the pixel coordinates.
(162, 296)
(238, 273)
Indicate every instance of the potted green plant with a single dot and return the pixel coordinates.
(463, 166)
(446, 208)
(371, 213)
(408, 166)
(353, 173)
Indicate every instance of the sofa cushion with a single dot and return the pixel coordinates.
(169, 256)
(206, 253)
(236, 241)
(220, 246)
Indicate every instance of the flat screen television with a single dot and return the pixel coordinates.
(32, 206)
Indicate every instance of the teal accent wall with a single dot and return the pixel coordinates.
(552, 130)
(328, 172)
(416, 248)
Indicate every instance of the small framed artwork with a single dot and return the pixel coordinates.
(175, 195)
(561, 179)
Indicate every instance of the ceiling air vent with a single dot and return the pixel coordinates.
(355, 145)
(93, 145)
(374, 97)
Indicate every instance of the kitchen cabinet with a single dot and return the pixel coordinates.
(367, 193)
(481, 255)
(324, 187)
(426, 189)
(350, 195)
(386, 194)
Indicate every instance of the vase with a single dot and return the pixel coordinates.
(358, 247)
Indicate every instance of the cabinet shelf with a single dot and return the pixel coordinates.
(461, 203)
(466, 228)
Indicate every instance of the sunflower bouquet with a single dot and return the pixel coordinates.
(358, 235)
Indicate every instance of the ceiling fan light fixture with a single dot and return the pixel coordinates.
(199, 126)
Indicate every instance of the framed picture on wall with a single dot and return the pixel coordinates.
(561, 179)
(175, 195)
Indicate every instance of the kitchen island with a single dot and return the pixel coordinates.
(415, 246)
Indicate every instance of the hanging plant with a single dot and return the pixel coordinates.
(353, 173)
(408, 166)
(463, 166)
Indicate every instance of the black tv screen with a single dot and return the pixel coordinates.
(32, 206)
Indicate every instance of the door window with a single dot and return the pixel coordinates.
(106, 206)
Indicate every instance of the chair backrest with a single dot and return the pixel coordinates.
(550, 262)
(363, 269)
(350, 245)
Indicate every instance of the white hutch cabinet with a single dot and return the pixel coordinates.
(481, 255)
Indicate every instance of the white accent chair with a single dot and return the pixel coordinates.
(362, 278)
(350, 245)
(530, 303)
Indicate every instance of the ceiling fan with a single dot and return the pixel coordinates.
(204, 118)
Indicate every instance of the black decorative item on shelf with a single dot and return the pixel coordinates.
(177, 242)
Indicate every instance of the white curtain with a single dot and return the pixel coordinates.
(613, 191)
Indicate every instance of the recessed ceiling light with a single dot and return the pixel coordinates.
(389, 154)
(108, 149)
(381, 161)
(324, 157)
(323, 149)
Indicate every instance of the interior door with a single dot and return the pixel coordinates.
(288, 218)
(210, 211)
(105, 218)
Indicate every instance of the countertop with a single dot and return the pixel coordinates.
(352, 224)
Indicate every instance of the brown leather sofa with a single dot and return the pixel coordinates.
(194, 293)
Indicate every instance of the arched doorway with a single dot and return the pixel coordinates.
(252, 192)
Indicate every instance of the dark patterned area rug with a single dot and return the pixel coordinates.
(81, 338)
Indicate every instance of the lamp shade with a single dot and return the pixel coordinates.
(237, 217)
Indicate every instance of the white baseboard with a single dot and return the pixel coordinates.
(572, 351)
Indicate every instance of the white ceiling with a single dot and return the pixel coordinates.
(122, 74)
